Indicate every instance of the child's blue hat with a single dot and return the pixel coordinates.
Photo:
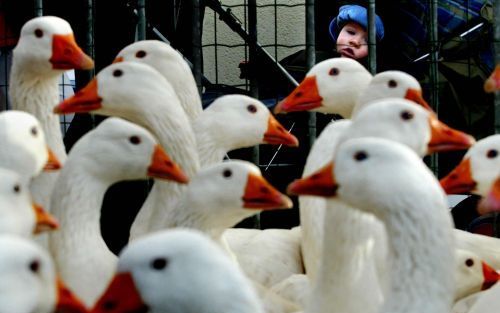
(354, 13)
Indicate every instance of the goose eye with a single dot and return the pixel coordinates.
(34, 131)
(35, 266)
(406, 115)
(17, 188)
(360, 156)
(227, 173)
(38, 33)
(392, 83)
(469, 262)
(140, 54)
(117, 73)
(251, 108)
(492, 153)
(334, 71)
(135, 140)
(159, 263)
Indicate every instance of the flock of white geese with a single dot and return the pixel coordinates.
(376, 234)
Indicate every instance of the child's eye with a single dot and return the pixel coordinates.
(351, 32)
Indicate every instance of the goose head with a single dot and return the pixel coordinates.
(472, 274)
(24, 147)
(121, 89)
(29, 283)
(160, 56)
(177, 270)
(241, 121)
(169, 63)
(231, 191)
(478, 169)
(47, 47)
(331, 86)
(406, 122)
(19, 215)
(373, 175)
(391, 84)
(118, 150)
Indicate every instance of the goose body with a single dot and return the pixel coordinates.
(116, 150)
(390, 181)
(45, 49)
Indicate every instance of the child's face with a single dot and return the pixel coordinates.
(352, 41)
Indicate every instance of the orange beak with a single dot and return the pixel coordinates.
(416, 96)
(85, 100)
(259, 194)
(321, 183)
(492, 84)
(67, 55)
(303, 98)
(490, 276)
(445, 138)
(276, 134)
(163, 167)
(491, 203)
(53, 163)
(44, 221)
(459, 180)
(67, 302)
(121, 297)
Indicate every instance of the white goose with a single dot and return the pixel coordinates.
(478, 169)
(354, 251)
(236, 121)
(45, 49)
(336, 86)
(230, 122)
(18, 215)
(116, 150)
(221, 195)
(177, 271)
(24, 149)
(29, 283)
(472, 274)
(170, 63)
(476, 173)
(140, 94)
(389, 180)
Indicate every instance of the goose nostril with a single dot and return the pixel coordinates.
(298, 94)
(169, 163)
(264, 190)
(109, 305)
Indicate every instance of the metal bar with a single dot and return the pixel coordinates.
(38, 7)
(497, 61)
(141, 22)
(372, 42)
(89, 39)
(196, 40)
(433, 69)
(310, 61)
(252, 56)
